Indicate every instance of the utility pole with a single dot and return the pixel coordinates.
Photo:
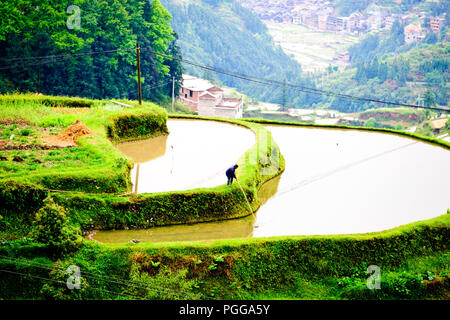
(284, 97)
(173, 94)
(39, 72)
(39, 76)
(138, 53)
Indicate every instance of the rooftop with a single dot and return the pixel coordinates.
(196, 84)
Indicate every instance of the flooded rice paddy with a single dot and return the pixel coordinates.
(194, 155)
(335, 181)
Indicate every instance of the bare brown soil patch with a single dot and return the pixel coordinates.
(68, 137)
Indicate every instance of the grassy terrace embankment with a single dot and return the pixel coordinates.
(92, 180)
(413, 259)
(178, 207)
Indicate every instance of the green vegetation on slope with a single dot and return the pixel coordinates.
(49, 29)
(89, 188)
(28, 170)
(413, 261)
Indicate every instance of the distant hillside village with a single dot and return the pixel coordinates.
(321, 15)
(209, 100)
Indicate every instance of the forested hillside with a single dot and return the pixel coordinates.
(347, 7)
(84, 47)
(386, 67)
(418, 76)
(224, 35)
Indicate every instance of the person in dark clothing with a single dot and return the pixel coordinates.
(231, 174)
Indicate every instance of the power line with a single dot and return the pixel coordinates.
(91, 276)
(293, 86)
(62, 282)
(55, 58)
(338, 169)
(302, 88)
(263, 81)
(70, 55)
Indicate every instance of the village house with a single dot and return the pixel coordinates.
(413, 33)
(335, 23)
(322, 15)
(209, 100)
(436, 24)
(310, 20)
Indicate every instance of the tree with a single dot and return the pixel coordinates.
(431, 38)
(429, 98)
(51, 227)
(39, 28)
(371, 123)
(159, 32)
(383, 71)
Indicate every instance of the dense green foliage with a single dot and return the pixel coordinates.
(50, 30)
(52, 228)
(347, 7)
(413, 260)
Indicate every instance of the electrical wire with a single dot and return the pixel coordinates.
(263, 81)
(338, 169)
(62, 282)
(292, 86)
(90, 275)
(70, 55)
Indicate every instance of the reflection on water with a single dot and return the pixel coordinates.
(340, 181)
(335, 182)
(231, 229)
(268, 190)
(195, 154)
(144, 150)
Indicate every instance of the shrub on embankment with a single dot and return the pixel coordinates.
(137, 124)
(235, 269)
(50, 101)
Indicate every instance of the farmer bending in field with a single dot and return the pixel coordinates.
(231, 174)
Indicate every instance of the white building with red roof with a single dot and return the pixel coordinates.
(209, 100)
